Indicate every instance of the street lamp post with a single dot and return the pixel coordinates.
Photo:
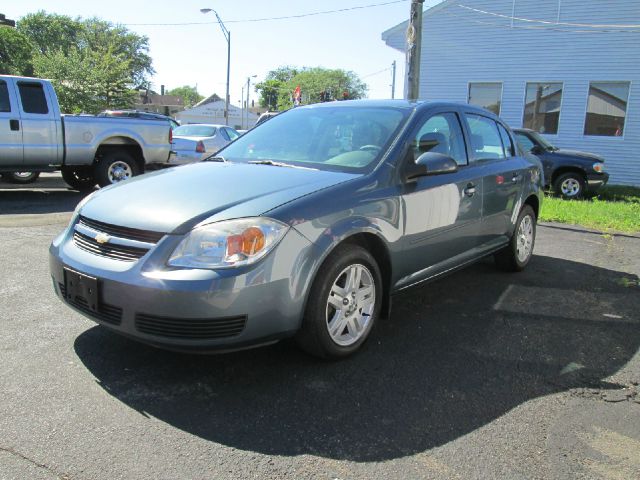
(227, 36)
(248, 82)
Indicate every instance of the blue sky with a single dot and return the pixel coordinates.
(196, 54)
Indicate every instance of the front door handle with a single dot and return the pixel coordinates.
(14, 125)
(470, 190)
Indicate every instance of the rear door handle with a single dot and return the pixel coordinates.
(516, 177)
(14, 125)
(470, 190)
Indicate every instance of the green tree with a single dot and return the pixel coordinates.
(313, 82)
(50, 32)
(15, 52)
(189, 94)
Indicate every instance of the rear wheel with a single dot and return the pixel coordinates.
(344, 304)
(515, 256)
(21, 177)
(79, 178)
(116, 166)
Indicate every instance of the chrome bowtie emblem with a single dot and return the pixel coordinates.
(102, 238)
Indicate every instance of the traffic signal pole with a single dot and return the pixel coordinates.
(414, 41)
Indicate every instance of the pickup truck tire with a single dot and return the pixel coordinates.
(21, 177)
(570, 185)
(515, 256)
(116, 166)
(79, 178)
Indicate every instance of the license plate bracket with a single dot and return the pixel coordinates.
(79, 285)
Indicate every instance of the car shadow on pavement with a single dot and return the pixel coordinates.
(36, 201)
(454, 356)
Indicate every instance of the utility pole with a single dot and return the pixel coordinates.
(414, 41)
(393, 80)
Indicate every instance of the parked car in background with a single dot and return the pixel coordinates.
(192, 143)
(305, 227)
(35, 137)
(138, 114)
(569, 173)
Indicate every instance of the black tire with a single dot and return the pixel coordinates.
(112, 164)
(570, 185)
(79, 178)
(21, 177)
(314, 336)
(508, 259)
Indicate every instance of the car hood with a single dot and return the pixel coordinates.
(591, 157)
(174, 200)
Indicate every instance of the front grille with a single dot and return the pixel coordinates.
(122, 232)
(106, 313)
(190, 328)
(109, 250)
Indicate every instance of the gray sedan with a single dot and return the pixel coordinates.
(301, 228)
(192, 143)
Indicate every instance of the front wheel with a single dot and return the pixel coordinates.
(344, 304)
(21, 177)
(515, 256)
(114, 167)
(569, 185)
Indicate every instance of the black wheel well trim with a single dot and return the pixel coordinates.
(377, 247)
(132, 148)
(534, 202)
(567, 169)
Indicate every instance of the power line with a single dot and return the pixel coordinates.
(376, 73)
(546, 22)
(267, 19)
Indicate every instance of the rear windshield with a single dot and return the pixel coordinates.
(195, 131)
(343, 138)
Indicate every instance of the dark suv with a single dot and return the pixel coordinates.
(568, 172)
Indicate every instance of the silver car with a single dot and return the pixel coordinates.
(303, 227)
(192, 143)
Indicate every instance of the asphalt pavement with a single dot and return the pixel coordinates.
(479, 375)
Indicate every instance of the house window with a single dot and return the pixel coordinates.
(542, 107)
(606, 108)
(486, 95)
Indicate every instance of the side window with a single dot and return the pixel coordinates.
(525, 142)
(5, 104)
(507, 144)
(225, 135)
(33, 98)
(442, 133)
(232, 133)
(486, 143)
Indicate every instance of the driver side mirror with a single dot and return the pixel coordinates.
(431, 163)
(536, 150)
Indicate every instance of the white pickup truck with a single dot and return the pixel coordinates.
(89, 150)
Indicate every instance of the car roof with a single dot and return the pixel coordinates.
(420, 105)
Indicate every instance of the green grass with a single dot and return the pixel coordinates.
(615, 208)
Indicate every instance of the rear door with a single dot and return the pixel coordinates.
(502, 176)
(39, 126)
(11, 150)
(442, 212)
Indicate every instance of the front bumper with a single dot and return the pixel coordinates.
(597, 180)
(191, 309)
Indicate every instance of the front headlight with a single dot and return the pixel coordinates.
(598, 167)
(228, 244)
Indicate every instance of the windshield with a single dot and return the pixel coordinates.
(194, 131)
(343, 138)
(542, 141)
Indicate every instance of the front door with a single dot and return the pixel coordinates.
(442, 212)
(11, 151)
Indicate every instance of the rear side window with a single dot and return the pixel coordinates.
(232, 133)
(507, 144)
(5, 105)
(33, 98)
(225, 135)
(486, 143)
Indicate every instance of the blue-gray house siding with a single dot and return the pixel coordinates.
(574, 42)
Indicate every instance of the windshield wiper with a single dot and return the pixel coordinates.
(215, 158)
(277, 164)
